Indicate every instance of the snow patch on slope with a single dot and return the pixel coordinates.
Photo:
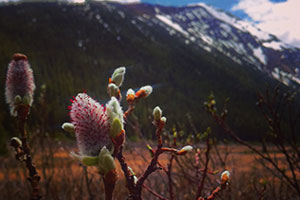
(239, 24)
(284, 77)
(174, 25)
(206, 38)
(274, 45)
(258, 53)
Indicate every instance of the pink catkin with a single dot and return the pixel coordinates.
(91, 124)
(19, 81)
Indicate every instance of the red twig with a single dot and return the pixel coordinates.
(162, 167)
(201, 184)
(135, 190)
(153, 165)
(213, 193)
(154, 193)
(262, 193)
(129, 110)
(207, 171)
(151, 168)
(187, 176)
(227, 130)
(23, 152)
(124, 166)
(109, 183)
(169, 174)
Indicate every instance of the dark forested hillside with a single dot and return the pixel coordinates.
(73, 48)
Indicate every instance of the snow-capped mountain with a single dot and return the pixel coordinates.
(186, 53)
(214, 31)
(219, 32)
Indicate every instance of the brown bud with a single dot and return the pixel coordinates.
(19, 56)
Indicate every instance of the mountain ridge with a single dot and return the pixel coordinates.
(239, 40)
(75, 47)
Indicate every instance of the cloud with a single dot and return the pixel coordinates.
(281, 19)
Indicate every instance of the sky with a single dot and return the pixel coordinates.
(279, 17)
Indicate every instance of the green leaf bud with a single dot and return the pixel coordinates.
(116, 128)
(106, 162)
(18, 99)
(118, 76)
(113, 90)
(68, 127)
(15, 142)
(90, 160)
(27, 100)
(163, 119)
(157, 113)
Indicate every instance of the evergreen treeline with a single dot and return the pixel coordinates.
(72, 48)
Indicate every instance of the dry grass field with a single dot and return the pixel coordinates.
(62, 177)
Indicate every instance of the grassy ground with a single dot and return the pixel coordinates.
(64, 178)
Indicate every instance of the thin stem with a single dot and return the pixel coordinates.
(153, 165)
(33, 178)
(225, 127)
(154, 193)
(169, 174)
(129, 110)
(262, 193)
(110, 180)
(124, 166)
(108, 190)
(151, 168)
(214, 193)
(87, 182)
(201, 184)
(135, 190)
(187, 176)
